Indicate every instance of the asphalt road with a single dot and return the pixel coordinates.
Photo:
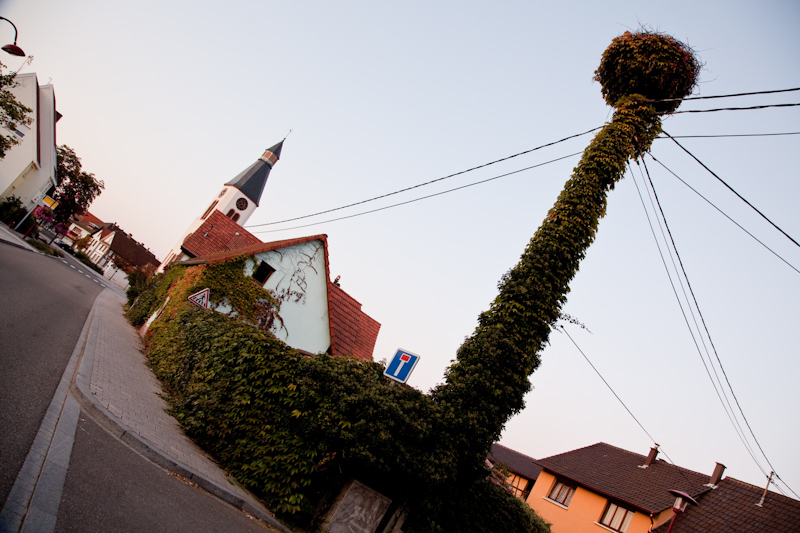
(44, 302)
(110, 487)
(43, 305)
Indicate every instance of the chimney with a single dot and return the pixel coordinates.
(651, 458)
(717, 475)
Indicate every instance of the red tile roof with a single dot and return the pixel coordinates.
(133, 252)
(615, 473)
(516, 462)
(353, 333)
(732, 507)
(218, 234)
(89, 218)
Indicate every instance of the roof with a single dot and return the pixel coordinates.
(251, 180)
(615, 473)
(88, 218)
(124, 246)
(516, 462)
(225, 253)
(353, 333)
(732, 507)
(218, 233)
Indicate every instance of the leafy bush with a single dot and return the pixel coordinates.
(86, 260)
(42, 247)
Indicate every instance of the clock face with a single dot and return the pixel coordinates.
(241, 204)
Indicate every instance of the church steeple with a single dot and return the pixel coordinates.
(251, 180)
(237, 200)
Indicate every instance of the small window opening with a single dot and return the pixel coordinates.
(235, 217)
(263, 272)
(208, 211)
(229, 214)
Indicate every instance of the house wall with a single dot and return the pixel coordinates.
(584, 512)
(29, 168)
(300, 282)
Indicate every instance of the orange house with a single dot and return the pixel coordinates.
(604, 488)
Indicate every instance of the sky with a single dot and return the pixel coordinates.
(166, 101)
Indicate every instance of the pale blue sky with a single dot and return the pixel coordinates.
(165, 101)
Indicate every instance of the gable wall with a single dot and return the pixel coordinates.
(585, 509)
(300, 281)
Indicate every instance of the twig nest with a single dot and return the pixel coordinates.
(648, 63)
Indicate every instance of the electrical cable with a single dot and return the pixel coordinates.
(731, 189)
(725, 95)
(705, 327)
(607, 385)
(427, 182)
(420, 198)
(730, 135)
(773, 252)
(686, 319)
(669, 459)
(729, 109)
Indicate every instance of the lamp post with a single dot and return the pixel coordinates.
(682, 501)
(13, 49)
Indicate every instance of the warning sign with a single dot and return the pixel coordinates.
(201, 299)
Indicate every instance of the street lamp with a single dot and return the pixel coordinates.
(13, 49)
(682, 501)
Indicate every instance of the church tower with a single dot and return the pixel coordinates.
(237, 200)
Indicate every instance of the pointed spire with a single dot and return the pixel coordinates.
(251, 181)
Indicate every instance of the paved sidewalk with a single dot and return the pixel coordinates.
(13, 238)
(115, 385)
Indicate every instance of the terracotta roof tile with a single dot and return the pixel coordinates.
(130, 250)
(732, 507)
(516, 462)
(353, 333)
(615, 473)
(218, 233)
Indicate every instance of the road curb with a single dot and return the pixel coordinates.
(81, 390)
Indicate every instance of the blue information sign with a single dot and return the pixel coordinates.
(401, 366)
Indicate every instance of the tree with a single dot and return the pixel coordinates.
(77, 189)
(12, 113)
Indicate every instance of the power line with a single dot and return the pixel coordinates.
(669, 459)
(725, 95)
(705, 327)
(686, 320)
(738, 427)
(607, 385)
(731, 189)
(427, 182)
(420, 198)
(730, 109)
(730, 135)
(773, 252)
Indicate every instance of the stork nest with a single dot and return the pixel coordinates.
(652, 64)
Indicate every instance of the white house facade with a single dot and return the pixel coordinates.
(28, 170)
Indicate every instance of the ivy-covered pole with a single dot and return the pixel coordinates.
(485, 386)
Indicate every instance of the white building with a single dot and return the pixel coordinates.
(28, 170)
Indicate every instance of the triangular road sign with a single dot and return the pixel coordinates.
(201, 299)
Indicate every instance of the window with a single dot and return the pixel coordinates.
(229, 214)
(263, 272)
(208, 211)
(617, 518)
(562, 493)
(235, 217)
(520, 486)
